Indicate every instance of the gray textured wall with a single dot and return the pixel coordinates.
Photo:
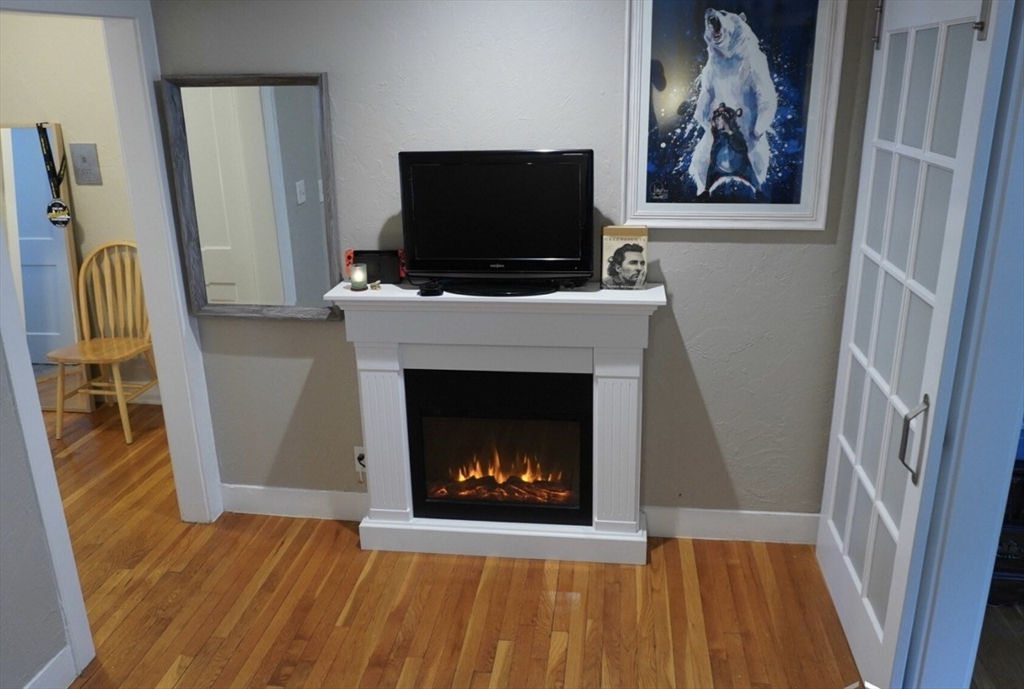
(741, 366)
(31, 624)
(284, 403)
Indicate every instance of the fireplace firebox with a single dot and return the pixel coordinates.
(501, 446)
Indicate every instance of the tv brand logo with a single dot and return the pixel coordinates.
(497, 265)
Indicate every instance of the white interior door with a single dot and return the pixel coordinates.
(927, 93)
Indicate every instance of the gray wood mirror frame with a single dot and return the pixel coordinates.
(253, 177)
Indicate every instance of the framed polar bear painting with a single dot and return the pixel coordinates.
(731, 114)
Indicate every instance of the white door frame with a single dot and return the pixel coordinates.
(44, 477)
(9, 230)
(279, 194)
(132, 56)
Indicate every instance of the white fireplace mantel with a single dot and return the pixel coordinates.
(589, 330)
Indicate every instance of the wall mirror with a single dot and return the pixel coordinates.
(253, 179)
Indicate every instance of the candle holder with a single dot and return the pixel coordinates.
(357, 276)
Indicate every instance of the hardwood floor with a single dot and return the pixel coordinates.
(258, 601)
(1000, 660)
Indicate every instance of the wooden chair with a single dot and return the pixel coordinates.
(115, 329)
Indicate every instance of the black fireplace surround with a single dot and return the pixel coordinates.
(501, 446)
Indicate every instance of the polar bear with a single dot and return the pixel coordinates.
(735, 75)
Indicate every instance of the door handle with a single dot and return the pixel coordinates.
(876, 38)
(907, 418)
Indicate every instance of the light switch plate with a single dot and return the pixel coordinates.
(86, 164)
(300, 192)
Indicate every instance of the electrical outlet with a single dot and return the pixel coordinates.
(359, 455)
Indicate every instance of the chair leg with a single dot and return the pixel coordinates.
(60, 400)
(105, 375)
(122, 403)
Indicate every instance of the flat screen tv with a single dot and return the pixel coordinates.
(500, 223)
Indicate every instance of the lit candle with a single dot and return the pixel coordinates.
(358, 276)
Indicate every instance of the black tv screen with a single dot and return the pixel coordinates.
(498, 215)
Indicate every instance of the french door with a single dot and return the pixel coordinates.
(908, 272)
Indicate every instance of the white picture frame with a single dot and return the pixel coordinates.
(807, 208)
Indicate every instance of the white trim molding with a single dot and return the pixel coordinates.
(44, 477)
(59, 672)
(733, 525)
(662, 522)
(988, 403)
(295, 502)
(150, 396)
(131, 47)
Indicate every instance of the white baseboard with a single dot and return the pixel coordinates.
(733, 525)
(58, 673)
(662, 522)
(295, 502)
(151, 396)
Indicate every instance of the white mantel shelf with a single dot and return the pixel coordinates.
(588, 330)
(587, 299)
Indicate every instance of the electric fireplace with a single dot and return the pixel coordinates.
(500, 446)
(502, 426)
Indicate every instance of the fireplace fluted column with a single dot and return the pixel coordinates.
(617, 405)
(382, 405)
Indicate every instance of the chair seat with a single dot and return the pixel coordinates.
(102, 350)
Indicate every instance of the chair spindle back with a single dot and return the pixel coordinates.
(110, 300)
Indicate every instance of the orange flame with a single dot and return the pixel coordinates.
(526, 468)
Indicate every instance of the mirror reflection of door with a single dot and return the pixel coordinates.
(250, 198)
(42, 254)
(234, 209)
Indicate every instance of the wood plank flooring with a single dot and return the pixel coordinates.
(46, 384)
(259, 601)
(1000, 660)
